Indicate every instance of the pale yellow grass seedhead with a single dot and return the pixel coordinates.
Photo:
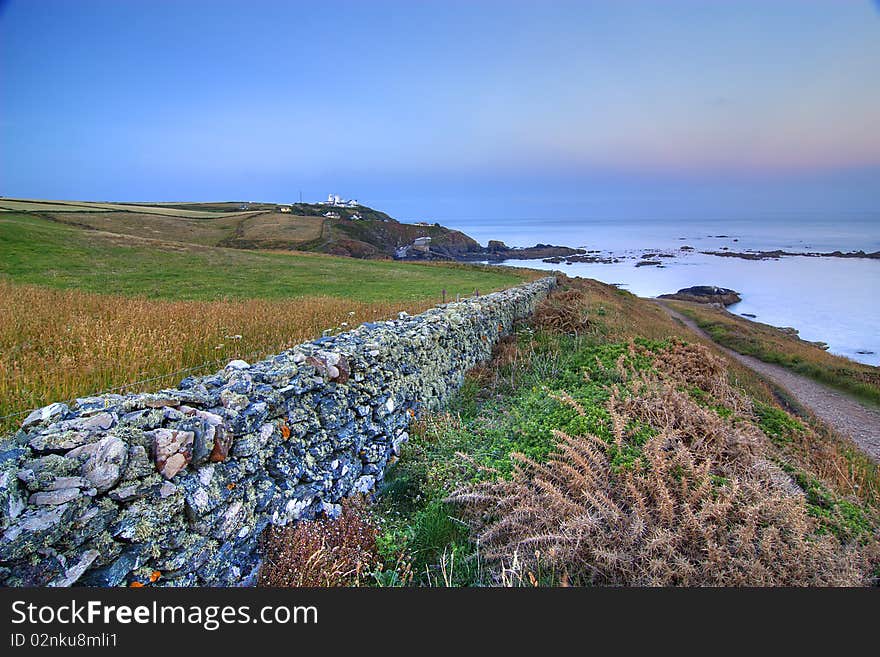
(57, 345)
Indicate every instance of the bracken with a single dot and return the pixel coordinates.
(703, 506)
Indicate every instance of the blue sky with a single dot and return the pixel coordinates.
(446, 110)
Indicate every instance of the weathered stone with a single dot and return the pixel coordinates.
(57, 441)
(97, 422)
(234, 400)
(133, 490)
(45, 415)
(67, 482)
(12, 500)
(188, 558)
(139, 464)
(172, 465)
(34, 528)
(150, 519)
(159, 401)
(86, 406)
(39, 569)
(115, 573)
(172, 450)
(76, 571)
(92, 521)
(105, 466)
(364, 484)
(38, 474)
(55, 497)
(399, 441)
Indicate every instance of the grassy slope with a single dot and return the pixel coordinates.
(774, 346)
(374, 235)
(204, 232)
(516, 403)
(34, 250)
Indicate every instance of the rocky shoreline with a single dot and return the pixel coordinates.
(705, 294)
(495, 251)
(777, 254)
(656, 258)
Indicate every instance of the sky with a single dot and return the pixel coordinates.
(448, 110)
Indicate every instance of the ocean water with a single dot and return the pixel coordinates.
(835, 300)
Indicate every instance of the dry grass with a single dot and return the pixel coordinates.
(617, 314)
(703, 505)
(324, 552)
(563, 312)
(277, 228)
(253, 230)
(208, 231)
(35, 206)
(57, 344)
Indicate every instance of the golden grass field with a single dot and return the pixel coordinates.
(277, 227)
(10, 205)
(255, 229)
(202, 231)
(59, 344)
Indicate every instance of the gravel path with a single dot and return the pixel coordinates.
(839, 411)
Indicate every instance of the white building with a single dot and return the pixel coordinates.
(336, 201)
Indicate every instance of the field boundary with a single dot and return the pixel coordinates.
(176, 487)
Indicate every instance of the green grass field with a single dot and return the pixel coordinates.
(37, 251)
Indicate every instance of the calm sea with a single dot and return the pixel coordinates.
(834, 300)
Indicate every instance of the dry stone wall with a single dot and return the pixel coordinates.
(177, 486)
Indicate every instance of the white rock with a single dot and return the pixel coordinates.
(206, 473)
(364, 484)
(266, 432)
(50, 412)
(75, 572)
(211, 418)
(105, 466)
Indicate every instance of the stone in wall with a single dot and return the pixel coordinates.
(177, 486)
